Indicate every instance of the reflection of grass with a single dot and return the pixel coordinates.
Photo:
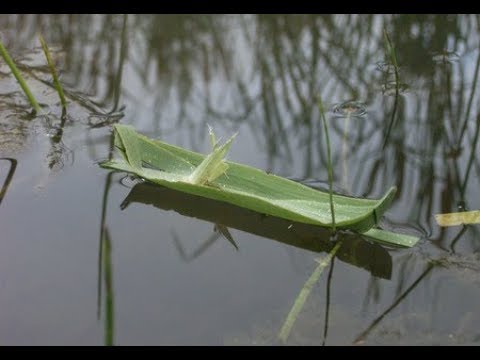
(105, 265)
(19, 78)
(109, 302)
(56, 82)
(361, 338)
(11, 171)
(105, 272)
(390, 53)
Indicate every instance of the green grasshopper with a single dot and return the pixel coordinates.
(213, 165)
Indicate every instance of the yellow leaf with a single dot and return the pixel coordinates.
(458, 218)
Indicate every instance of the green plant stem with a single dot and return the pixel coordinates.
(51, 65)
(330, 167)
(305, 292)
(19, 78)
(345, 181)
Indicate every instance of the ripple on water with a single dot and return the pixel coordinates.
(349, 109)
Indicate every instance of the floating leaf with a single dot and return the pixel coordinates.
(458, 218)
(242, 185)
(388, 237)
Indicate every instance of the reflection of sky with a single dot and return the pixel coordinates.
(267, 85)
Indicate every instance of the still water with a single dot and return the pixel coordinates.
(89, 257)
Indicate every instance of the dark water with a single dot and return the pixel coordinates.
(77, 268)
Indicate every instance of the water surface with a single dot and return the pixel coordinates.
(78, 268)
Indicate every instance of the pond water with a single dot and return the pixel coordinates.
(89, 257)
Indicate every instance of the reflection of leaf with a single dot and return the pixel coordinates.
(355, 251)
(458, 218)
(222, 229)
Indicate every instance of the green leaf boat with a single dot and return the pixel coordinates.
(212, 177)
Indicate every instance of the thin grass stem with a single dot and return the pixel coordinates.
(330, 167)
(20, 79)
(56, 82)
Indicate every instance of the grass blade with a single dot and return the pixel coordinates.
(330, 167)
(56, 82)
(391, 238)
(304, 293)
(20, 79)
(458, 218)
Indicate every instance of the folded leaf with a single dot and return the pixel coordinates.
(242, 185)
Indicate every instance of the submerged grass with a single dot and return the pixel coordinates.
(20, 79)
(56, 82)
(305, 292)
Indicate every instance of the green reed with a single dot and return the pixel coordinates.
(3, 52)
(329, 165)
(56, 82)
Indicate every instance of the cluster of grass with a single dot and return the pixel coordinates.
(23, 84)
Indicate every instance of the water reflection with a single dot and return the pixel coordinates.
(354, 250)
(105, 267)
(171, 75)
(11, 171)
